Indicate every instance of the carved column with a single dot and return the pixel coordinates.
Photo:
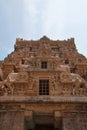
(29, 123)
(58, 120)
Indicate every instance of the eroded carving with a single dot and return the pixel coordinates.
(22, 68)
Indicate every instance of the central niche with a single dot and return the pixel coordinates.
(44, 121)
(44, 65)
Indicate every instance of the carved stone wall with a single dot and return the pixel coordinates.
(75, 122)
(20, 73)
(13, 120)
(66, 68)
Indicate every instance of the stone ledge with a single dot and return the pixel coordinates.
(43, 99)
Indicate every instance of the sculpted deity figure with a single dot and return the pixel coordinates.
(1, 89)
(32, 82)
(55, 82)
(6, 90)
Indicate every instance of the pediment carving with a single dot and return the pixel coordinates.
(44, 50)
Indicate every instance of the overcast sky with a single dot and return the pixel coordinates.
(31, 19)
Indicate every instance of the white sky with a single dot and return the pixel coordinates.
(31, 19)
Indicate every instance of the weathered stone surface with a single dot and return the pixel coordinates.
(43, 82)
(11, 120)
(75, 122)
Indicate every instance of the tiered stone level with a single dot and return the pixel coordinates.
(43, 83)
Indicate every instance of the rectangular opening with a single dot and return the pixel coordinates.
(44, 65)
(43, 87)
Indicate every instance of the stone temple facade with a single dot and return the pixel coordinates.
(43, 86)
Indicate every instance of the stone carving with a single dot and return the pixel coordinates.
(53, 93)
(68, 86)
(21, 77)
(6, 90)
(32, 82)
(44, 50)
(1, 89)
(1, 75)
(22, 68)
